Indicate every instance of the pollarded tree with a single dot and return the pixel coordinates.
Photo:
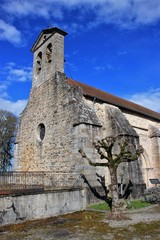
(127, 152)
(7, 137)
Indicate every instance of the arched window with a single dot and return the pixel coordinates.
(39, 62)
(41, 131)
(49, 53)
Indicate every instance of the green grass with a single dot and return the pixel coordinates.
(100, 206)
(134, 204)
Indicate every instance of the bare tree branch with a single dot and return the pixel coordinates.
(127, 152)
(90, 162)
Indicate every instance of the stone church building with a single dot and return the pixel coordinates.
(63, 115)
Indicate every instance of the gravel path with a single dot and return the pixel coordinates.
(147, 215)
(89, 225)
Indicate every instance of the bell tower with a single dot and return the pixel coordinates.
(48, 52)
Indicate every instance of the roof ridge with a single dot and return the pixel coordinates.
(114, 100)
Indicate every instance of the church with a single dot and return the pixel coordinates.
(63, 115)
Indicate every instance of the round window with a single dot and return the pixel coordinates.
(41, 131)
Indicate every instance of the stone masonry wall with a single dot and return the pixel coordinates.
(71, 122)
(69, 125)
(151, 157)
(56, 63)
(149, 162)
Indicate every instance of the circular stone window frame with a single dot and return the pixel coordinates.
(41, 132)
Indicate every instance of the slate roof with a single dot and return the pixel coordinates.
(114, 100)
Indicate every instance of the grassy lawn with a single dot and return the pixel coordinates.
(133, 204)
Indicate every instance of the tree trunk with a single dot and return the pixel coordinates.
(115, 210)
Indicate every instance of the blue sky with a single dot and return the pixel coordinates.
(113, 45)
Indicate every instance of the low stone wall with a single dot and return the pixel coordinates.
(15, 209)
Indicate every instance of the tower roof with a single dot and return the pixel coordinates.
(48, 32)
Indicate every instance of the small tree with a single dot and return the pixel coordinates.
(127, 152)
(7, 137)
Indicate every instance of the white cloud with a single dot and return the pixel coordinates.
(100, 68)
(15, 107)
(20, 75)
(10, 74)
(128, 13)
(124, 13)
(147, 11)
(9, 32)
(103, 68)
(17, 73)
(41, 8)
(3, 89)
(150, 99)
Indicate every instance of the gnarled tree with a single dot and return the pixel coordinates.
(7, 137)
(127, 152)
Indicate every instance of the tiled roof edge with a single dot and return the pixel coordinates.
(114, 100)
